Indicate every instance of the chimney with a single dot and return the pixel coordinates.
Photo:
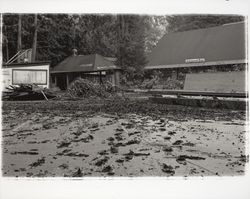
(74, 52)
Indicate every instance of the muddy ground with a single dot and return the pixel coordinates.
(120, 138)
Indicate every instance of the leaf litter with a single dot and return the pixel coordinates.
(138, 142)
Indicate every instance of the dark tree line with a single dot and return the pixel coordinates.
(127, 37)
(178, 23)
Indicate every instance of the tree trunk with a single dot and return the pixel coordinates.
(19, 37)
(33, 58)
(7, 51)
(121, 34)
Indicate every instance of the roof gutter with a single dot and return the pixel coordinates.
(54, 72)
(239, 61)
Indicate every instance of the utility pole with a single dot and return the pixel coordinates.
(19, 36)
(33, 58)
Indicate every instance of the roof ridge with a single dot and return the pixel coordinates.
(205, 28)
(198, 29)
(232, 23)
(214, 44)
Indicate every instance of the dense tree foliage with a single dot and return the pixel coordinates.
(127, 37)
(155, 28)
(177, 23)
(131, 44)
(59, 34)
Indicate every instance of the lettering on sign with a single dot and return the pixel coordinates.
(84, 65)
(105, 67)
(196, 60)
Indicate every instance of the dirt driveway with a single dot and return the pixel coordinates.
(76, 139)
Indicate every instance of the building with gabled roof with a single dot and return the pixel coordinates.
(94, 67)
(220, 45)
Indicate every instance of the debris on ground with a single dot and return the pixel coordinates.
(27, 92)
(101, 161)
(132, 153)
(167, 149)
(39, 162)
(63, 144)
(114, 149)
(168, 169)
(196, 142)
(25, 153)
(109, 170)
(84, 88)
(78, 173)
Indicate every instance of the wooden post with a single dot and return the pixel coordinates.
(113, 79)
(117, 77)
(100, 77)
(44, 95)
(177, 73)
(55, 80)
(67, 80)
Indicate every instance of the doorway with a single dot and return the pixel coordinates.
(61, 81)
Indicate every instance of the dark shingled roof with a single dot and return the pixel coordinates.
(217, 45)
(84, 63)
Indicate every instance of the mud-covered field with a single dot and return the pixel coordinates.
(120, 138)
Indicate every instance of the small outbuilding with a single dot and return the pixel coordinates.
(26, 73)
(93, 67)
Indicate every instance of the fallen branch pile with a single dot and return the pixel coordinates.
(84, 88)
(27, 92)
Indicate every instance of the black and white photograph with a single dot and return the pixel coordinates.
(124, 95)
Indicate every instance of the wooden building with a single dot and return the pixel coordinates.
(93, 67)
(220, 48)
(26, 73)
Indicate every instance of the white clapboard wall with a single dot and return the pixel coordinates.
(37, 74)
(232, 82)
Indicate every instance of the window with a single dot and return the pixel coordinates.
(26, 76)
